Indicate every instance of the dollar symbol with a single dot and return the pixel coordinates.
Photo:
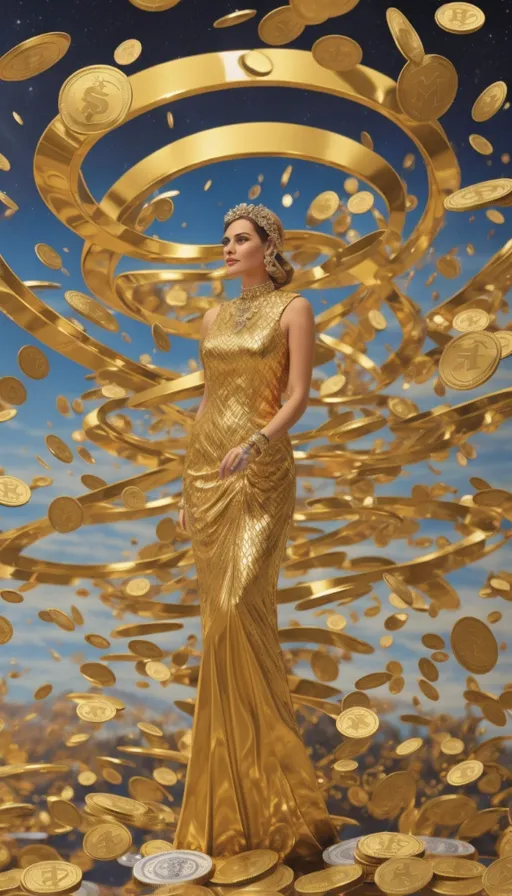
(95, 100)
(10, 491)
(108, 841)
(53, 876)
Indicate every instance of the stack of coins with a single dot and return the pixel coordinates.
(375, 849)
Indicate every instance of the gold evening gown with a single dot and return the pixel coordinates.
(250, 783)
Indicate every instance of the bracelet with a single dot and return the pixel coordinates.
(260, 440)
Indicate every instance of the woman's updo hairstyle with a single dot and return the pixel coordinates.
(286, 272)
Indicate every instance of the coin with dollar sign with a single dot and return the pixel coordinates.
(95, 99)
(107, 841)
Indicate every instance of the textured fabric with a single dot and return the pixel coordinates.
(250, 783)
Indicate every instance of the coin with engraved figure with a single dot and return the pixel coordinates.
(65, 514)
(388, 844)
(12, 390)
(459, 18)
(489, 102)
(469, 360)
(32, 362)
(405, 36)
(426, 91)
(107, 841)
(336, 52)
(402, 876)
(50, 877)
(471, 320)
(488, 192)
(280, 27)
(13, 491)
(95, 99)
(474, 646)
(180, 866)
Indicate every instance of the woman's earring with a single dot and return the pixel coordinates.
(270, 262)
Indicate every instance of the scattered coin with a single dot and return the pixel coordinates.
(405, 36)
(489, 102)
(426, 91)
(109, 840)
(474, 646)
(488, 192)
(92, 310)
(459, 18)
(78, 105)
(180, 866)
(504, 338)
(65, 514)
(469, 360)
(33, 362)
(50, 877)
(59, 449)
(128, 51)
(13, 492)
(33, 56)
(235, 18)
(12, 390)
(471, 320)
(338, 53)
(481, 145)
(279, 27)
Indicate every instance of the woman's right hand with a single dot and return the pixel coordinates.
(182, 519)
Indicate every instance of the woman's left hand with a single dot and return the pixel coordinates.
(234, 461)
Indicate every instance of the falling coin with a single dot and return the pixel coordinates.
(65, 514)
(471, 320)
(459, 18)
(469, 360)
(33, 362)
(13, 492)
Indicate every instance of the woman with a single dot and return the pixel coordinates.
(250, 783)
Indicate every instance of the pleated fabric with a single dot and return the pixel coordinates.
(250, 783)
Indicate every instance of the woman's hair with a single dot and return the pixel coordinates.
(287, 269)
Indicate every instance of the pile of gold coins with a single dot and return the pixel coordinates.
(129, 411)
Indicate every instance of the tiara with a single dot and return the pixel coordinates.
(259, 213)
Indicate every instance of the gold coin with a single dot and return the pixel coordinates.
(504, 338)
(154, 5)
(377, 319)
(157, 671)
(495, 216)
(459, 18)
(426, 91)
(97, 640)
(92, 482)
(488, 192)
(312, 12)
(95, 99)
(111, 390)
(360, 203)
(113, 803)
(465, 772)
(12, 390)
(7, 414)
(13, 492)
(334, 878)
(43, 691)
(98, 674)
(373, 680)
(471, 320)
(33, 56)
(11, 879)
(409, 746)
(245, 866)
(497, 878)
(469, 887)
(338, 53)
(65, 514)
(474, 645)
(152, 847)
(33, 362)
(489, 102)
(324, 205)
(6, 630)
(448, 266)
(405, 36)
(455, 867)
(5, 164)
(59, 449)
(387, 844)
(357, 721)
(165, 776)
(469, 360)
(49, 256)
(403, 876)
(160, 338)
(51, 877)
(133, 498)
(92, 310)
(280, 27)
(64, 812)
(481, 145)
(95, 710)
(137, 587)
(107, 841)
(62, 405)
(256, 63)
(235, 18)
(128, 51)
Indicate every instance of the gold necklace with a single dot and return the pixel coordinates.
(247, 305)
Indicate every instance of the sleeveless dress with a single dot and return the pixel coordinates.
(250, 783)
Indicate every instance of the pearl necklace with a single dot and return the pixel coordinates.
(246, 305)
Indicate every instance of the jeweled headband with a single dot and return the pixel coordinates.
(259, 213)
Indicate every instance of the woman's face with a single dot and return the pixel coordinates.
(243, 246)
